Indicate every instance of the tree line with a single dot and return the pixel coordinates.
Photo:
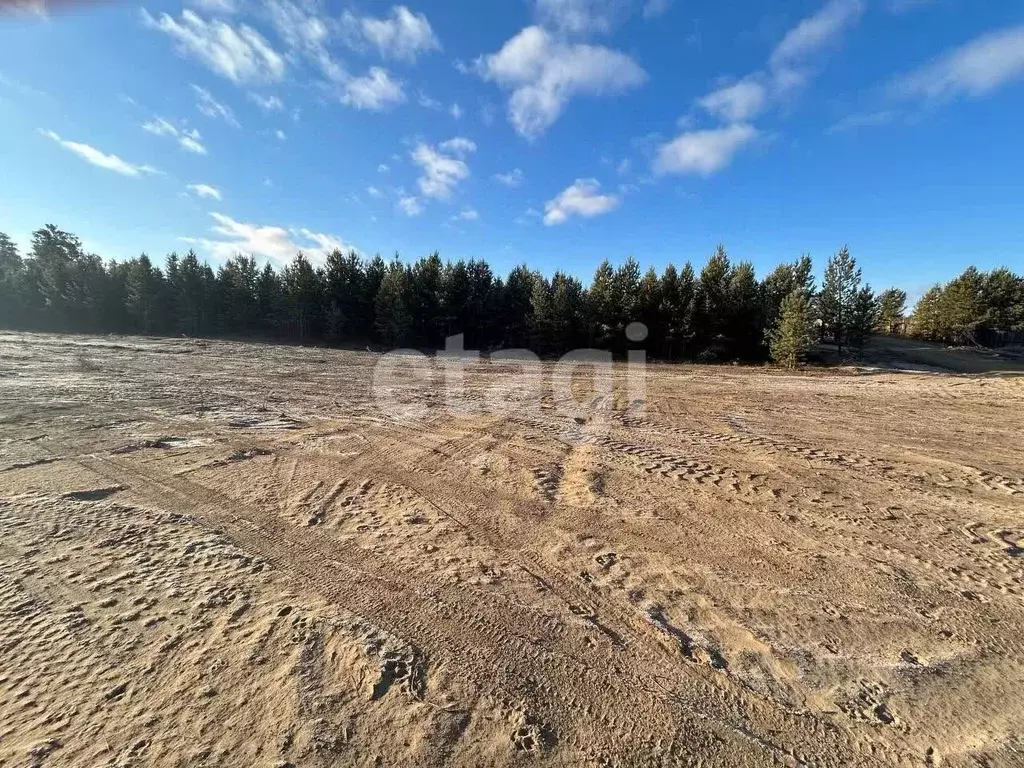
(724, 312)
(971, 308)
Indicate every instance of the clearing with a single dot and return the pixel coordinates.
(216, 553)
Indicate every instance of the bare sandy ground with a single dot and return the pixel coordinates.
(225, 554)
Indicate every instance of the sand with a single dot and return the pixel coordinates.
(225, 554)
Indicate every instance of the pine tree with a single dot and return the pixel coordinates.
(10, 275)
(838, 293)
(392, 305)
(711, 307)
(143, 290)
(744, 329)
(303, 296)
(269, 301)
(791, 339)
(602, 305)
(863, 318)
(926, 320)
(892, 305)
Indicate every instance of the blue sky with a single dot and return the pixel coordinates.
(559, 132)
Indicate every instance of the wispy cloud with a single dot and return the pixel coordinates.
(275, 243)
(544, 74)
(410, 205)
(267, 103)
(375, 91)
(443, 166)
(209, 106)
(864, 120)
(737, 102)
(239, 53)
(205, 190)
(187, 138)
(902, 6)
(789, 65)
(816, 32)
(974, 69)
(403, 35)
(655, 8)
(703, 152)
(581, 16)
(583, 198)
(101, 159)
(223, 7)
(513, 178)
(307, 32)
(466, 214)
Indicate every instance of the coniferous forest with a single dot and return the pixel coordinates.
(722, 311)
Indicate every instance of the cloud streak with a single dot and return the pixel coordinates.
(100, 159)
(277, 244)
(974, 69)
(239, 53)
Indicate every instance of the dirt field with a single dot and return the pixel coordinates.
(224, 554)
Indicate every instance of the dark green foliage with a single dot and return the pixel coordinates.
(970, 306)
(892, 306)
(839, 291)
(863, 318)
(724, 314)
(791, 338)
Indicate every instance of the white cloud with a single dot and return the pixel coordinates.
(703, 152)
(382, 168)
(974, 69)
(458, 146)
(374, 192)
(223, 7)
(816, 32)
(583, 198)
(427, 102)
(239, 53)
(277, 244)
(101, 159)
(190, 141)
(31, 8)
(267, 103)
(281, 136)
(788, 67)
(410, 206)
(455, 111)
(581, 16)
(737, 102)
(376, 91)
(307, 32)
(513, 178)
(187, 138)
(544, 74)
(466, 214)
(403, 35)
(160, 127)
(205, 190)
(442, 167)
(209, 106)
(655, 8)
